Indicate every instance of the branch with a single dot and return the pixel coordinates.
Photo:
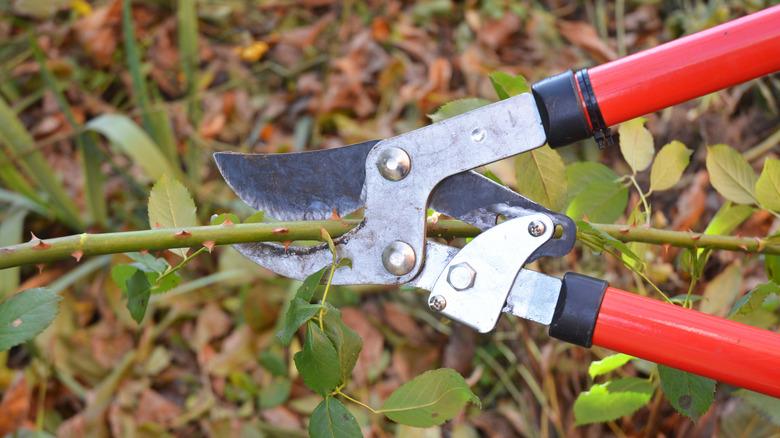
(38, 251)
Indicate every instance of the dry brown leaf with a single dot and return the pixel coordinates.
(583, 35)
(15, 405)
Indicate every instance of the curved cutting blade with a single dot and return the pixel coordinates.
(311, 185)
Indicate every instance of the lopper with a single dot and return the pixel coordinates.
(396, 180)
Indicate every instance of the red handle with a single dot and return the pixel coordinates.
(689, 67)
(685, 339)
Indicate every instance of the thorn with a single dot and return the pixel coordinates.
(33, 237)
(40, 243)
(209, 245)
(696, 237)
(287, 244)
(744, 248)
(227, 222)
(40, 267)
(281, 230)
(78, 254)
(156, 225)
(625, 230)
(334, 215)
(666, 247)
(144, 251)
(760, 244)
(183, 233)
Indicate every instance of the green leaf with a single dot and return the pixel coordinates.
(348, 344)
(771, 265)
(148, 262)
(608, 364)
(121, 273)
(669, 166)
(728, 217)
(310, 285)
(331, 419)
(25, 315)
(768, 185)
(731, 175)
(508, 85)
(273, 362)
(607, 241)
(165, 283)
(460, 106)
(255, 218)
(580, 175)
(298, 313)
(722, 291)
(138, 292)
(600, 201)
(770, 406)
(318, 362)
(429, 399)
(274, 393)
(690, 394)
(133, 141)
(171, 206)
(612, 400)
(541, 176)
(753, 300)
(636, 144)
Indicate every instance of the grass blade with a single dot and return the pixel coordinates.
(90, 153)
(155, 122)
(187, 20)
(11, 229)
(22, 145)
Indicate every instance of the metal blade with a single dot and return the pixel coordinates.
(299, 186)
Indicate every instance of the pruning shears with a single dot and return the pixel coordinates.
(397, 179)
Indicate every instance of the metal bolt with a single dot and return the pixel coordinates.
(536, 228)
(437, 303)
(398, 258)
(478, 134)
(394, 164)
(461, 276)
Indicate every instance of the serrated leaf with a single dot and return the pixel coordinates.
(310, 285)
(138, 292)
(219, 219)
(26, 314)
(508, 85)
(612, 400)
(331, 419)
(636, 144)
(298, 313)
(255, 218)
(669, 165)
(347, 343)
(752, 301)
(541, 176)
(600, 201)
(690, 394)
(722, 291)
(318, 362)
(608, 241)
(769, 406)
(731, 175)
(165, 283)
(133, 141)
(148, 262)
(580, 175)
(171, 206)
(429, 399)
(608, 364)
(460, 106)
(768, 185)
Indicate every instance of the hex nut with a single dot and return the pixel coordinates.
(461, 276)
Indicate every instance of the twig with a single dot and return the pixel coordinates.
(38, 251)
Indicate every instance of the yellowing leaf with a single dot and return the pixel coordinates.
(171, 206)
(429, 399)
(541, 176)
(612, 400)
(636, 144)
(768, 185)
(722, 291)
(607, 364)
(669, 165)
(731, 175)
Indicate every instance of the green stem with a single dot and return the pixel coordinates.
(643, 198)
(49, 250)
(357, 402)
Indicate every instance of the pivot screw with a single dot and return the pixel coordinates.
(398, 258)
(394, 164)
(437, 303)
(478, 134)
(461, 276)
(536, 228)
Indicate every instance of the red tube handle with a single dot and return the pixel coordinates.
(689, 67)
(692, 341)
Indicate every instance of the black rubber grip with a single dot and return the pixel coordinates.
(578, 307)
(561, 109)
